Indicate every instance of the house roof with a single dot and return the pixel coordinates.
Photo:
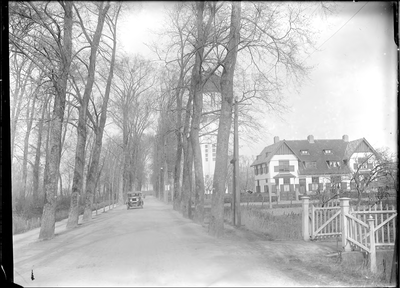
(264, 157)
(341, 150)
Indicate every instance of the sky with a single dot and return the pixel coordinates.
(352, 89)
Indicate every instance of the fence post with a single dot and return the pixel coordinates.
(305, 221)
(344, 207)
(372, 254)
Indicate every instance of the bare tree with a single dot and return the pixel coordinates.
(131, 109)
(217, 205)
(93, 170)
(48, 46)
(374, 171)
(94, 41)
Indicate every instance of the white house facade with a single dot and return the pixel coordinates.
(208, 154)
(289, 168)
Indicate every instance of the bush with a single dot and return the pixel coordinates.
(21, 224)
(257, 219)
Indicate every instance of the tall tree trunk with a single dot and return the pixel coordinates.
(197, 90)
(216, 227)
(29, 121)
(92, 175)
(61, 186)
(187, 160)
(47, 226)
(178, 159)
(77, 185)
(47, 156)
(36, 166)
(186, 205)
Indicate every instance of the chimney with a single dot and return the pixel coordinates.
(310, 138)
(276, 139)
(345, 138)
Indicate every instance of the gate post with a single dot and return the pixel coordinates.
(305, 222)
(372, 250)
(344, 207)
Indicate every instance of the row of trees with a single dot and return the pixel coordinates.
(214, 52)
(89, 109)
(68, 82)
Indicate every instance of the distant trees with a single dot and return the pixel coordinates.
(132, 109)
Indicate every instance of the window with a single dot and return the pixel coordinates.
(266, 154)
(256, 170)
(286, 180)
(214, 150)
(266, 169)
(283, 165)
(333, 164)
(311, 165)
(327, 151)
(336, 180)
(365, 163)
(304, 152)
(314, 184)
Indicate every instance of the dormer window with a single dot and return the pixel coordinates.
(327, 151)
(304, 152)
(333, 164)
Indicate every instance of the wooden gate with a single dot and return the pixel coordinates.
(325, 221)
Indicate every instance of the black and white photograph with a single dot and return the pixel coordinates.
(199, 144)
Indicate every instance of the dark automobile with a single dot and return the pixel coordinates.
(135, 200)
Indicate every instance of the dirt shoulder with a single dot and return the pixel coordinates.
(307, 262)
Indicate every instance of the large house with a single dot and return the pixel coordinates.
(289, 168)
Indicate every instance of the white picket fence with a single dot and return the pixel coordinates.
(366, 229)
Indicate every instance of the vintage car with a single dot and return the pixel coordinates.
(134, 200)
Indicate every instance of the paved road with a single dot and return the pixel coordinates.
(154, 246)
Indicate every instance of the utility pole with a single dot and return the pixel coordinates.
(236, 191)
(161, 189)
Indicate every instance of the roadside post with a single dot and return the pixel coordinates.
(305, 222)
(236, 191)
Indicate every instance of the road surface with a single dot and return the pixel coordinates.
(154, 246)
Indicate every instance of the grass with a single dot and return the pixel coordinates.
(354, 273)
(23, 222)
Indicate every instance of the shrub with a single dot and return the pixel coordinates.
(21, 224)
(257, 219)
